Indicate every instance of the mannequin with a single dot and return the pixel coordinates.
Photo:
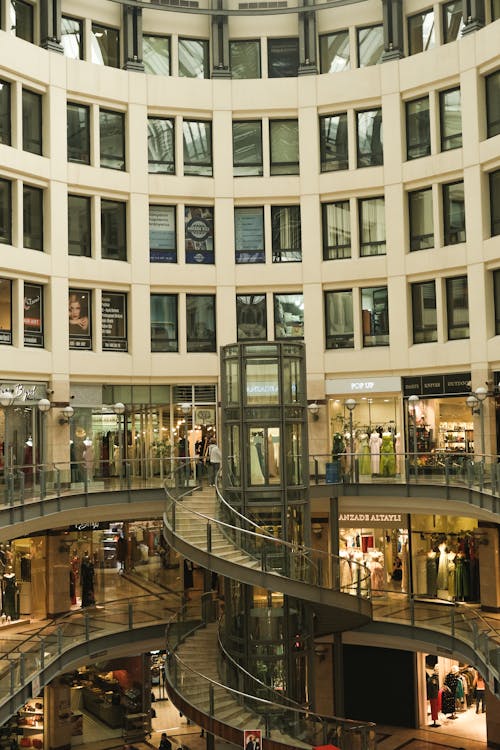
(397, 448)
(442, 575)
(121, 551)
(431, 573)
(449, 695)
(433, 696)
(387, 457)
(87, 581)
(9, 592)
(376, 569)
(375, 443)
(364, 457)
(73, 575)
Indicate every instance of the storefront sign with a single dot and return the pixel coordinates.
(89, 525)
(363, 385)
(374, 519)
(25, 391)
(204, 415)
(437, 385)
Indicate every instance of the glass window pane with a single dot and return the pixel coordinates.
(161, 148)
(494, 180)
(199, 234)
(454, 213)
(33, 315)
(262, 382)
(372, 226)
(370, 46)
(193, 58)
(284, 144)
(457, 305)
(162, 234)
(197, 140)
(451, 119)
(282, 57)
(251, 317)
(164, 323)
(333, 142)
(285, 223)
(421, 219)
(5, 311)
(114, 321)
(418, 133)
(493, 104)
(32, 217)
(375, 316)
(105, 46)
(156, 54)
(5, 212)
(32, 122)
(339, 322)
(200, 323)
(288, 316)
(421, 32)
(80, 317)
(5, 113)
(72, 37)
(495, 10)
(247, 148)
(370, 138)
(334, 52)
(112, 139)
(78, 119)
(244, 58)
(249, 235)
(424, 312)
(336, 230)
(21, 20)
(452, 21)
(496, 296)
(113, 230)
(79, 232)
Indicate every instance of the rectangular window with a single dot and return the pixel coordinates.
(375, 316)
(200, 323)
(5, 113)
(494, 179)
(284, 146)
(457, 307)
(80, 317)
(372, 226)
(162, 234)
(421, 219)
(282, 57)
(418, 131)
(193, 58)
(451, 119)
(336, 230)
(454, 213)
(72, 37)
(247, 148)
(78, 123)
(370, 46)
(33, 315)
(495, 10)
(452, 21)
(164, 334)
(161, 145)
(113, 230)
(334, 52)
(22, 20)
(251, 317)
(421, 32)
(32, 217)
(244, 58)
(197, 141)
(333, 142)
(5, 311)
(285, 224)
(5, 212)
(249, 235)
(114, 322)
(79, 231)
(339, 323)
(112, 139)
(105, 46)
(492, 104)
(288, 316)
(369, 129)
(32, 122)
(423, 298)
(199, 234)
(496, 295)
(156, 54)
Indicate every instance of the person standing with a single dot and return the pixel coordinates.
(165, 743)
(480, 688)
(214, 460)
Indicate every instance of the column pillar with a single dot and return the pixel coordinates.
(220, 47)
(132, 38)
(393, 30)
(307, 43)
(473, 13)
(50, 25)
(489, 574)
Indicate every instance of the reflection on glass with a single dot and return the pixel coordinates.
(291, 381)
(288, 316)
(293, 452)
(156, 54)
(334, 52)
(370, 46)
(262, 384)
(193, 58)
(234, 458)
(72, 38)
(264, 451)
(244, 58)
(105, 46)
(421, 35)
(232, 381)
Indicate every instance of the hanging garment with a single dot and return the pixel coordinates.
(442, 575)
(365, 467)
(387, 457)
(462, 589)
(375, 443)
(431, 571)
(449, 696)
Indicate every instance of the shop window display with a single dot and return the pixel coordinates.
(373, 556)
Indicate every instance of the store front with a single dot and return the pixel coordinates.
(21, 426)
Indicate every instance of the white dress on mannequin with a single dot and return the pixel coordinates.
(375, 443)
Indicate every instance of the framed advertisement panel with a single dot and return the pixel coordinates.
(199, 234)
(114, 321)
(80, 316)
(33, 315)
(162, 234)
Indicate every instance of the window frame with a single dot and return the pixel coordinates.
(110, 159)
(494, 192)
(94, 37)
(423, 333)
(496, 299)
(325, 54)
(32, 121)
(282, 254)
(369, 158)
(452, 140)
(366, 42)
(446, 27)
(382, 292)
(6, 332)
(278, 320)
(345, 250)
(163, 254)
(121, 251)
(343, 340)
(87, 243)
(366, 245)
(432, 36)
(167, 167)
(451, 310)
(29, 8)
(6, 117)
(461, 231)
(36, 332)
(206, 56)
(250, 254)
(192, 168)
(328, 164)
(256, 42)
(87, 144)
(417, 146)
(6, 236)
(207, 344)
(254, 330)
(490, 81)
(114, 342)
(157, 343)
(37, 244)
(420, 241)
(168, 39)
(81, 45)
(280, 168)
(274, 58)
(248, 169)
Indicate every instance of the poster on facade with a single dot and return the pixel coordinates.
(199, 234)
(79, 313)
(252, 739)
(33, 315)
(162, 245)
(114, 321)
(5, 311)
(249, 235)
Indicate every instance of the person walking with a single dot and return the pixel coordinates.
(214, 460)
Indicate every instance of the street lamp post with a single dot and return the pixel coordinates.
(7, 399)
(351, 405)
(119, 409)
(412, 404)
(481, 394)
(43, 408)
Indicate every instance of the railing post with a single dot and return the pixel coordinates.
(22, 669)
(59, 640)
(21, 486)
(12, 677)
(130, 616)
(58, 482)
(263, 561)
(470, 474)
(128, 476)
(86, 482)
(211, 700)
(209, 536)
(42, 482)
(316, 470)
(42, 653)
(493, 479)
(447, 471)
(475, 636)
(481, 476)
(452, 627)
(356, 470)
(10, 487)
(412, 611)
(86, 621)
(497, 469)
